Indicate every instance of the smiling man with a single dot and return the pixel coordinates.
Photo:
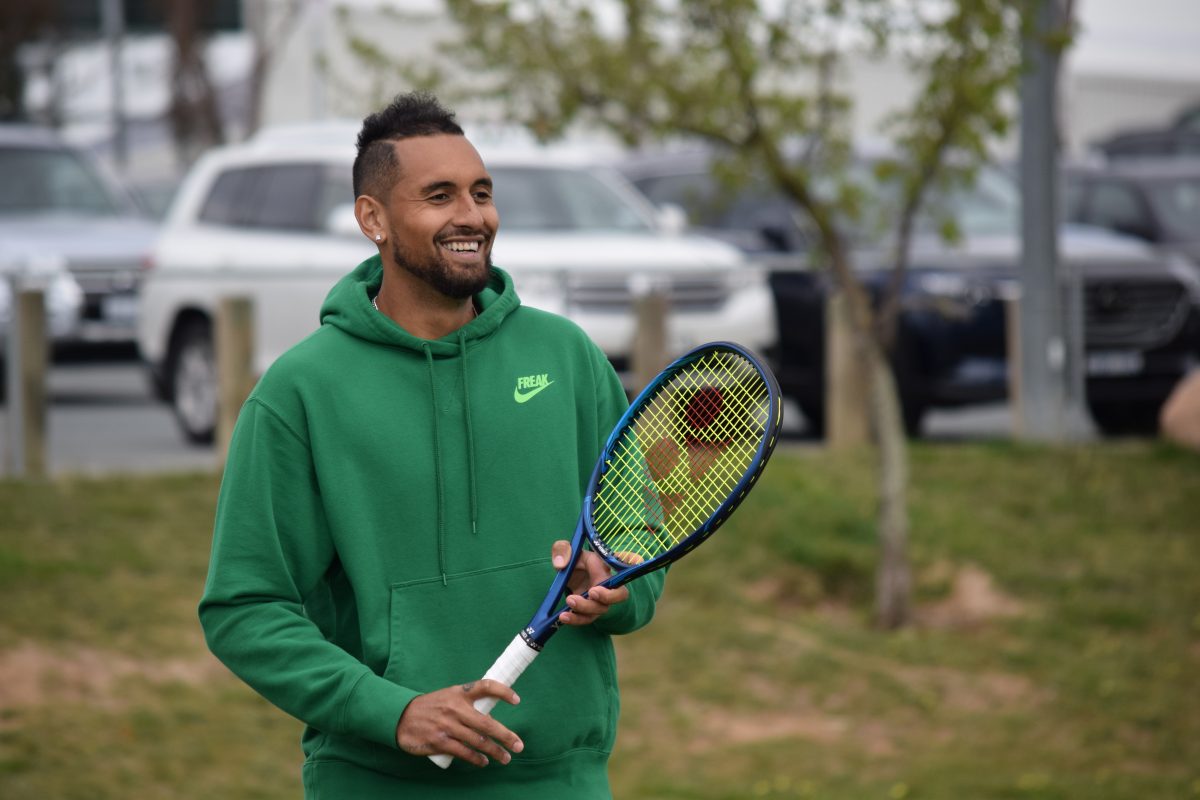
(394, 497)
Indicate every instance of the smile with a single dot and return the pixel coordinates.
(462, 247)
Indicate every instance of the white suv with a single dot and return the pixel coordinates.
(272, 219)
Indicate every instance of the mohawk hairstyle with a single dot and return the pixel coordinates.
(414, 114)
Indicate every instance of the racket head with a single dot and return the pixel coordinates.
(682, 458)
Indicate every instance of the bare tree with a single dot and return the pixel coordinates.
(21, 21)
(194, 112)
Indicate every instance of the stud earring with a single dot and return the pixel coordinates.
(379, 237)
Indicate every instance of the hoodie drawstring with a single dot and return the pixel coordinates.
(462, 344)
(437, 464)
(437, 449)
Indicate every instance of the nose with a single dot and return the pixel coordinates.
(467, 213)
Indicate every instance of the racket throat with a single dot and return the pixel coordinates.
(529, 636)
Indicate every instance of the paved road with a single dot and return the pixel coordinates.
(102, 419)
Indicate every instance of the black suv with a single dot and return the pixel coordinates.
(1142, 329)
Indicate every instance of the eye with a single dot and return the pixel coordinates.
(440, 197)
(483, 195)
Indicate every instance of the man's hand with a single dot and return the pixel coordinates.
(446, 721)
(589, 571)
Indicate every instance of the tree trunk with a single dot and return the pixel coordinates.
(847, 419)
(893, 580)
(194, 113)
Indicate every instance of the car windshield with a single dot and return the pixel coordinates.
(532, 198)
(41, 180)
(1177, 202)
(991, 205)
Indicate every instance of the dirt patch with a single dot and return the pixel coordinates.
(794, 588)
(32, 675)
(974, 599)
(973, 692)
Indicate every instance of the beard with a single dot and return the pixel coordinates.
(443, 276)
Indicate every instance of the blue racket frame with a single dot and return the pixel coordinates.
(545, 622)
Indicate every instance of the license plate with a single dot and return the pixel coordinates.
(1114, 363)
(119, 308)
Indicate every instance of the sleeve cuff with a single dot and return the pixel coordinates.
(374, 707)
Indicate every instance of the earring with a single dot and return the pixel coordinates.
(379, 237)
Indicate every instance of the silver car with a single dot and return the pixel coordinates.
(57, 203)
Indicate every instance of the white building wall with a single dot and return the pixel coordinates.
(1104, 86)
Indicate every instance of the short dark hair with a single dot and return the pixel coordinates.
(414, 114)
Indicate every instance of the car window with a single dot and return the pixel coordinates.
(273, 197)
(697, 194)
(1177, 202)
(529, 198)
(1116, 206)
(38, 180)
(335, 188)
(1073, 200)
(288, 198)
(221, 205)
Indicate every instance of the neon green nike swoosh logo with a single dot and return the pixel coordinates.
(523, 397)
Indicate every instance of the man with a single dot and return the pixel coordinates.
(390, 496)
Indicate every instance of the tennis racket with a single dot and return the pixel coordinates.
(679, 461)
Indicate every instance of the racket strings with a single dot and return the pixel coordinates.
(681, 456)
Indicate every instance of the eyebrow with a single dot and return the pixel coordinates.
(442, 185)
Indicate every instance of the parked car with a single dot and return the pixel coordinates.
(1141, 322)
(272, 219)
(1156, 200)
(57, 201)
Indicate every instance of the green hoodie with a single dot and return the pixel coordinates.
(384, 530)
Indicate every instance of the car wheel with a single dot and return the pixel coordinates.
(193, 377)
(1125, 419)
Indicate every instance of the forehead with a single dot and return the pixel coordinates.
(425, 160)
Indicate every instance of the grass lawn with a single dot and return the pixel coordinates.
(1056, 652)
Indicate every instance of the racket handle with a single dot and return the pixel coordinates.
(508, 667)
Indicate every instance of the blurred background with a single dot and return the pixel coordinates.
(120, 100)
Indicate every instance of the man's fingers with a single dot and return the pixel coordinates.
(486, 687)
(446, 721)
(560, 553)
(585, 610)
(484, 724)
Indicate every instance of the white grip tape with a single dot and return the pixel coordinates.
(508, 667)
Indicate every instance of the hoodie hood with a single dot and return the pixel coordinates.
(348, 307)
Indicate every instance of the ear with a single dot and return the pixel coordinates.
(372, 220)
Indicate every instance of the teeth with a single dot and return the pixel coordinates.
(463, 247)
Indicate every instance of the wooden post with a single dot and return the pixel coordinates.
(26, 452)
(846, 424)
(1012, 345)
(235, 364)
(649, 336)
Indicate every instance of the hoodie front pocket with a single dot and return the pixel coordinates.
(448, 635)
